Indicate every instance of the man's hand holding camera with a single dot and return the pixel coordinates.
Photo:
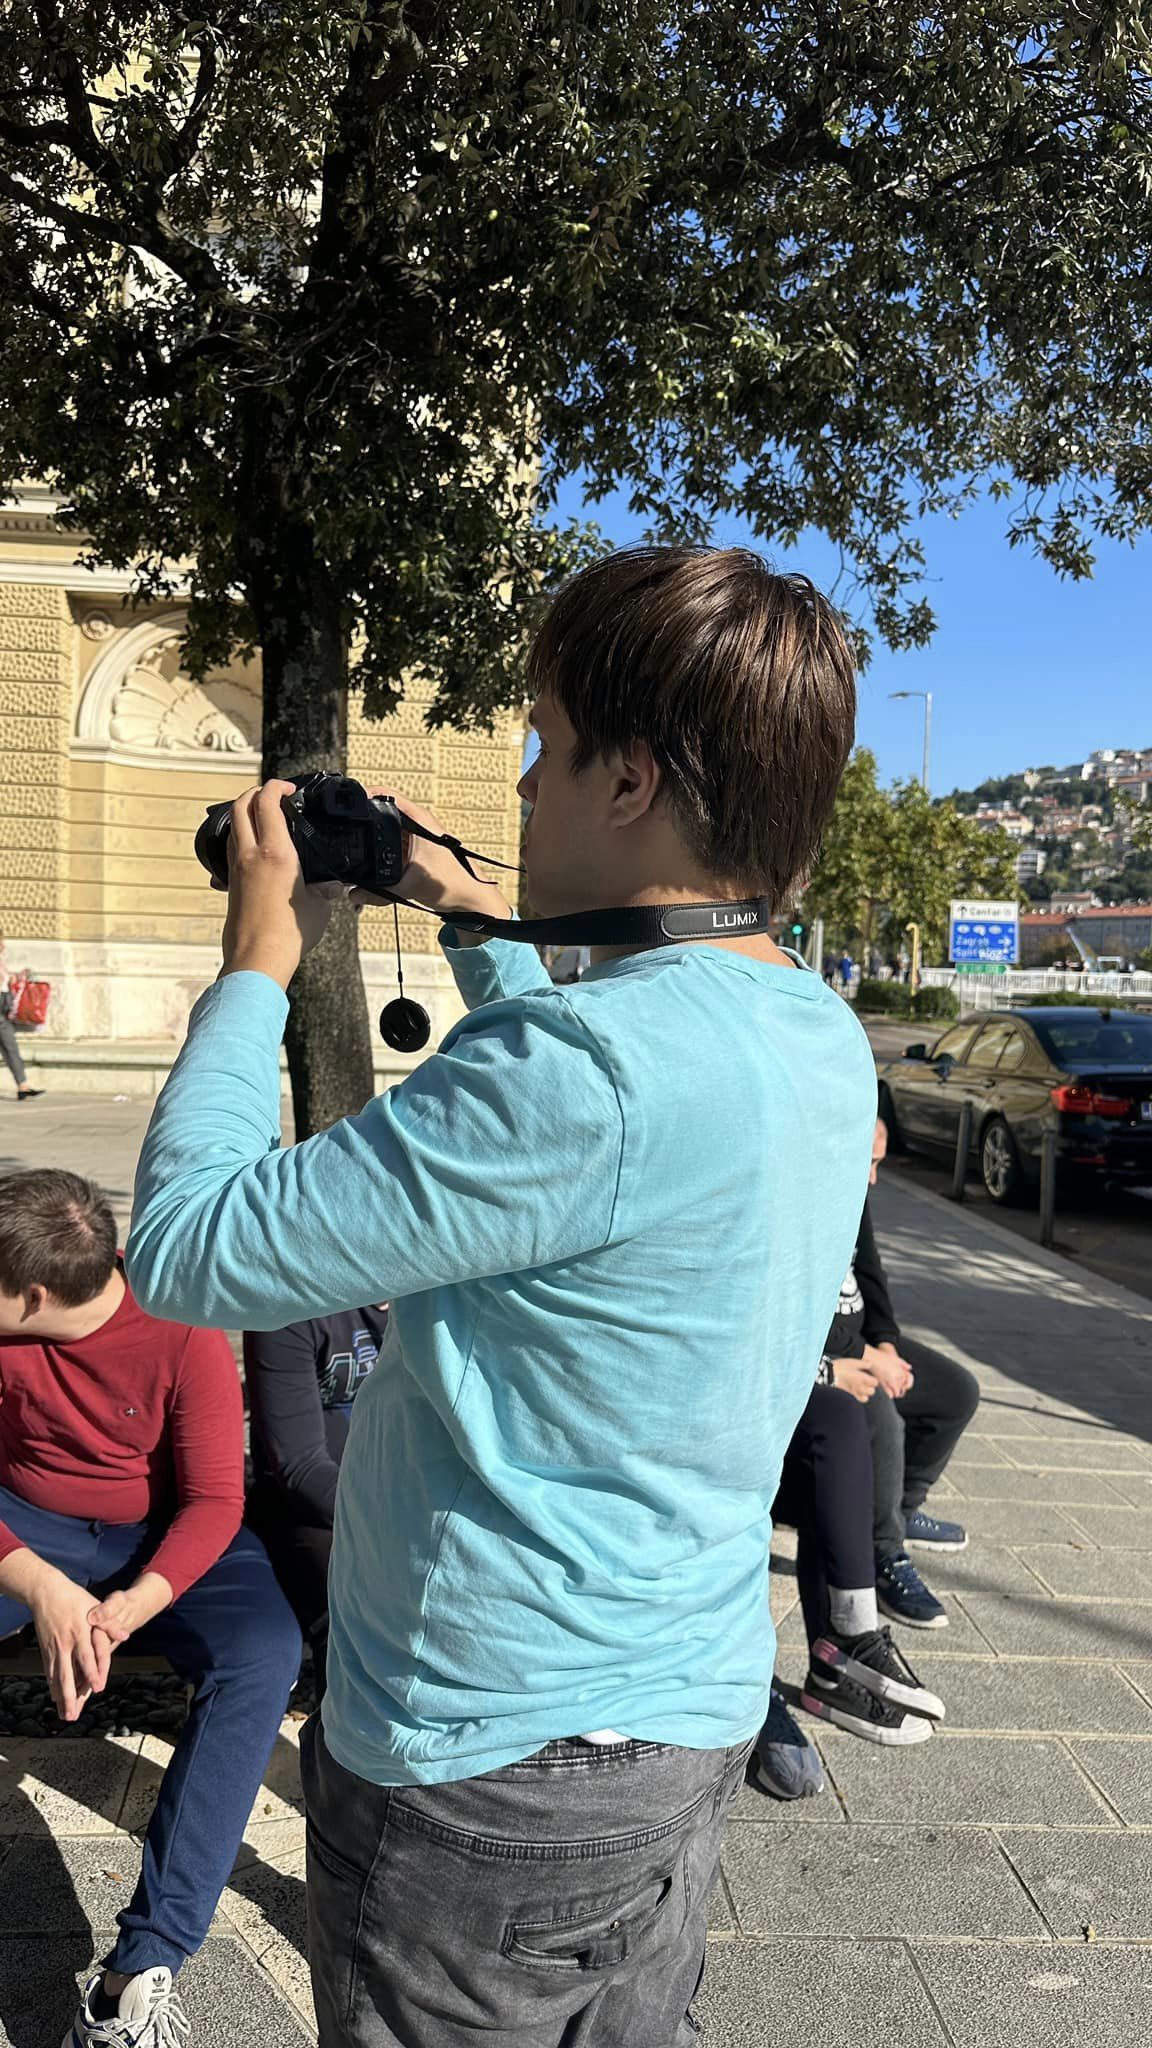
(274, 918)
(434, 877)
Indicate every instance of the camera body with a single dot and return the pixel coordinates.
(340, 833)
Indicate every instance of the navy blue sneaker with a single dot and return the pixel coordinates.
(927, 1533)
(784, 1763)
(902, 1595)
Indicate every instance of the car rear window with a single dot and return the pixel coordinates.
(1080, 1039)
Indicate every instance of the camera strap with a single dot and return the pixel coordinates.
(636, 924)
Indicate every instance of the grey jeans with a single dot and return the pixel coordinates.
(10, 1052)
(914, 1437)
(559, 1903)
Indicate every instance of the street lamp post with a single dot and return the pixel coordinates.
(927, 696)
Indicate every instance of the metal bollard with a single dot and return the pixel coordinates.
(1048, 1187)
(963, 1144)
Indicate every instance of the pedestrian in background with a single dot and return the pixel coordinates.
(9, 1046)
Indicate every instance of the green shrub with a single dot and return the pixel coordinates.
(886, 998)
(895, 999)
(936, 1002)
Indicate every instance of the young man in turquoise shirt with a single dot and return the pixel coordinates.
(612, 1220)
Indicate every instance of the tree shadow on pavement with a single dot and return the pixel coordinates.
(1039, 1331)
(61, 1884)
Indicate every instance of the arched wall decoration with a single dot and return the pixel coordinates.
(139, 705)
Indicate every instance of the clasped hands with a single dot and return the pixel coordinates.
(881, 1366)
(77, 1635)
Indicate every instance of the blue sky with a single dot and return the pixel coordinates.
(1024, 668)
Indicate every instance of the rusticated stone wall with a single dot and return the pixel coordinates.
(111, 755)
(35, 720)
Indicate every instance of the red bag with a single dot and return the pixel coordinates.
(30, 999)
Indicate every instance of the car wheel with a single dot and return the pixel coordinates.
(886, 1111)
(1000, 1163)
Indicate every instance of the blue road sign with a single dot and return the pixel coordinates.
(984, 931)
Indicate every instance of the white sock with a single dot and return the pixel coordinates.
(853, 1612)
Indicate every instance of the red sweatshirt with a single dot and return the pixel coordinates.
(143, 1420)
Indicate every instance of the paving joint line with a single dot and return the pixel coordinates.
(1023, 1883)
(929, 1995)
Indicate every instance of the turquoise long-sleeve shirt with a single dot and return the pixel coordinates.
(612, 1220)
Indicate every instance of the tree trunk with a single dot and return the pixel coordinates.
(304, 639)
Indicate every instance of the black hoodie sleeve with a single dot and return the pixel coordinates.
(880, 1325)
(288, 1419)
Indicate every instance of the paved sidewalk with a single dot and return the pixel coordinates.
(990, 1889)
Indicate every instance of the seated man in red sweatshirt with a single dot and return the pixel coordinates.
(121, 1495)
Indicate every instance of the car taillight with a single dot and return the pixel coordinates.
(1076, 1101)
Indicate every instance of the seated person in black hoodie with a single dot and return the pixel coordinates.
(302, 1382)
(922, 1405)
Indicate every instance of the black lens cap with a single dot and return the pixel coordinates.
(405, 1025)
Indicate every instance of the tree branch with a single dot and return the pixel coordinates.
(187, 141)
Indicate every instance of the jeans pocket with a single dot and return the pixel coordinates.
(588, 1935)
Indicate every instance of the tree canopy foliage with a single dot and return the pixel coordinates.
(338, 294)
(323, 303)
(893, 857)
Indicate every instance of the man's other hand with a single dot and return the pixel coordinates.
(432, 875)
(76, 1657)
(854, 1377)
(888, 1369)
(273, 919)
(123, 1612)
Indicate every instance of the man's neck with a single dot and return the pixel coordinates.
(72, 1325)
(755, 946)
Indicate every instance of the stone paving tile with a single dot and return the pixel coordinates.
(1101, 1452)
(875, 1881)
(1136, 1490)
(1060, 1997)
(1020, 1522)
(1035, 1698)
(68, 1786)
(1082, 1881)
(1093, 1574)
(1021, 1626)
(229, 1998)
(808, 1994)
(1119, 1528)
(1051, 1489)
(964, 1779)
(1123, 1771)
(69, 1883)
(982, 1568)
(758, 1809)
(977, 1450)
(1060, 1429)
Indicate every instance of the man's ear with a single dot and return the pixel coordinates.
(35, 1299)
(636, 783)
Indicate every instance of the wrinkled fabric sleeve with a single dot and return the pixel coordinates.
(206, 1431)
(499, 1154)
(496, 971)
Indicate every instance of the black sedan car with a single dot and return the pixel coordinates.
(1088, 1072)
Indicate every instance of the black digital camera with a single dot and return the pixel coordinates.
(340, 833)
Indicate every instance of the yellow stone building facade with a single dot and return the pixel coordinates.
(111, 754)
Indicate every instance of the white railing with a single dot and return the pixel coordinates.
(993, 991)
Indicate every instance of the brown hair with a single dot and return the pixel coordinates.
(742, 683)
(56, 1231)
